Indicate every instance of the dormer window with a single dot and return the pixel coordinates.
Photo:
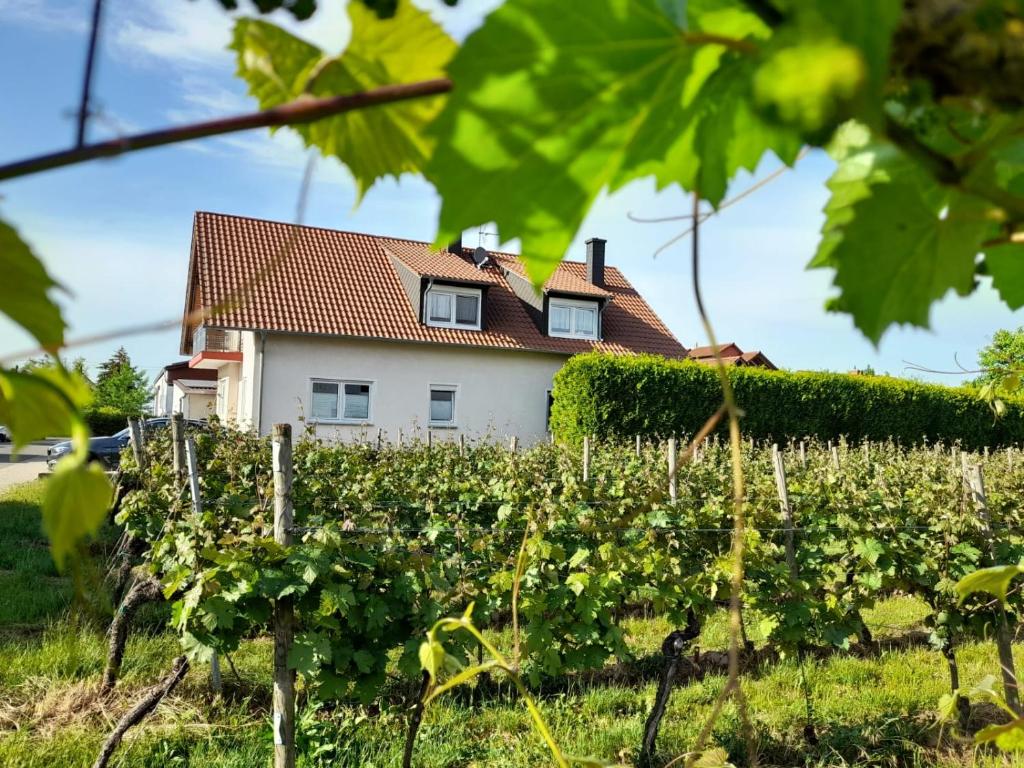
(571, 319)
(451, 307)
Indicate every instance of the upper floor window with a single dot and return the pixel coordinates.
(343, 401)
(454, 307)
(572, 319)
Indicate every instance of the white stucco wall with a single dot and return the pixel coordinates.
(500, 392)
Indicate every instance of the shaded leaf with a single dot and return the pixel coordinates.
(24, 291)
(897, 241)
(1005, 264)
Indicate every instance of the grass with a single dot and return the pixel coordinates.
(868, 711)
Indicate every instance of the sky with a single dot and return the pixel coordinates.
(116, 233)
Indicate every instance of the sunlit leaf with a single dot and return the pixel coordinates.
(555, 102)
(386, 140)
(995, 581)
(1005, 263)
(24, 290)
(75, 504)
(1007, 736)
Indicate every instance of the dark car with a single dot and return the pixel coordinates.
(107, 450)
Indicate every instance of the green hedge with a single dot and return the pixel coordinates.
(104, 420)
(616, 396)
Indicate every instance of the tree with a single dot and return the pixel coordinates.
(120, 386)
(1002, 356)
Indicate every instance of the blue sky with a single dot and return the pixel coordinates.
(116, 233)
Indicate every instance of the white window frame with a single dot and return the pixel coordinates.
(572, 305)
(454, 292)
(454, 389)
(372, 383)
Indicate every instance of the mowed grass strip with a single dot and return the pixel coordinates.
(868, 711)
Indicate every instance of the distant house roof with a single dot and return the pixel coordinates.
(251, 274)
(731, 354)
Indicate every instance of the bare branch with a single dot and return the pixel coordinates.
(85, 109)
(302, 110)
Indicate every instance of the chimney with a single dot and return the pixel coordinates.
(455, 246)
(595, 261)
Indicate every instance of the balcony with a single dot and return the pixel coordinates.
(215, 347)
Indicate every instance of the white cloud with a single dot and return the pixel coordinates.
(46, 14)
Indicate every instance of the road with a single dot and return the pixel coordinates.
(26, 466)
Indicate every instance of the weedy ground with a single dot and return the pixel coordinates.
(869, 709)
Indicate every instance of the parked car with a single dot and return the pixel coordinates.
(5, 434)
(107, 450)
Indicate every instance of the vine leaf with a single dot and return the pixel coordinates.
(995, 581)
(896, 239)
(554, 103)
(41, 403)
(1005, 264)
(24, 290)
(75, 504)
(386, 140)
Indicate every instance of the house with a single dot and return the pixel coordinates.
(182, 389)
(731, 354)
(354, 333)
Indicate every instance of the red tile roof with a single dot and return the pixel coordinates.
(731, 355)
(252, 274)
(570, 277)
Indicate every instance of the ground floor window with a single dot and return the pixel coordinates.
(442, 405)
(340, 400)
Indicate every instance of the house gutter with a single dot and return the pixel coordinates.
(259, 389)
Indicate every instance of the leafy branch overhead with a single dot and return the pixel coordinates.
(554, 103)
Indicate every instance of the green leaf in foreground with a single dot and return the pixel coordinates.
(24, 291)
(1007, 736)
(386, 140)
(555, 102)
(75, 504)
(1005, 263)
(896, 239)
(995, 581)
(40, 404)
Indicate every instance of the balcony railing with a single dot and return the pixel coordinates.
(207, 339)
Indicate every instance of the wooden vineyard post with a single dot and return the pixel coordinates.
(867, 451)
(192, 465)
(513, 444)
(135, 430)
(976, 481)
(586, 459)
(1009, 458)
(178, 445)
(790, 530)
(835, 455)
(462, 445)
(284, 678)
(430, 439)
(638, 447)
(785, 508)
(380, 437)
(399, 438)
(673, 485)
(803, 455)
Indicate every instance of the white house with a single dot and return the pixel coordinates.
(185, 390)
(356, 333)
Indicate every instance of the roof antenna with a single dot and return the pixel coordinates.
(481, 234)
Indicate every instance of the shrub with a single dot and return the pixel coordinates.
(104, 420)
(617, 396)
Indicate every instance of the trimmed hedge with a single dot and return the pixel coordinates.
(615, 396)
(104, 420)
